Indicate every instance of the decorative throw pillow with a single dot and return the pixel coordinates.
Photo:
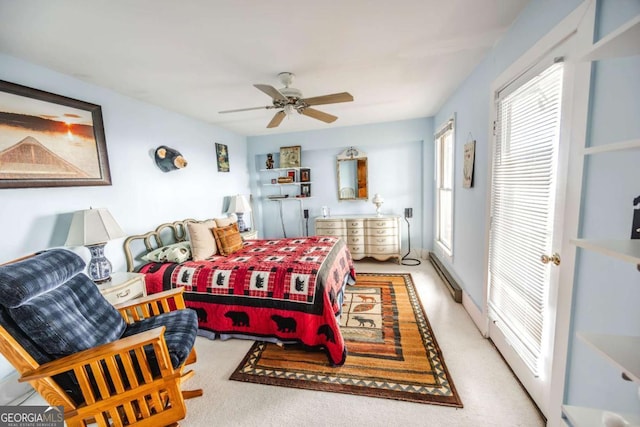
(177, 252)
(224, 222)
(203, 244)
(228, 239)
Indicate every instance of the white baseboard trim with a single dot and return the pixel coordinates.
(475, 313)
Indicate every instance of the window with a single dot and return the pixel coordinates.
(444, 187)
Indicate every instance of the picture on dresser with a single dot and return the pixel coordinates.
(305, 190)
(49, 140)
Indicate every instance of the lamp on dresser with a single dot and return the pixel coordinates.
(93, 228)
(239, 205)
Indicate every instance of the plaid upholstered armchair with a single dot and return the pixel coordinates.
(78, 351)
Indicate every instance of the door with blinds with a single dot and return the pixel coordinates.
(522, 238)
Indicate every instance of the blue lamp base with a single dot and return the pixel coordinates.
(241, 225)
(99, 268)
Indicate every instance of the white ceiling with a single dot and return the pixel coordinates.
(399, 59)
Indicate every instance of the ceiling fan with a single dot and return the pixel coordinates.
(290, 100)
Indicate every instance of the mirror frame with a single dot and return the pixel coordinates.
(360, 157)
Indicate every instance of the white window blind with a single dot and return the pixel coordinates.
(522, 204)
(444, 185)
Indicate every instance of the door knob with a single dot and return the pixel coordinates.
(546, 259)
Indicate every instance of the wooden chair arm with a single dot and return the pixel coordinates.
(105, 352)
(152, 305)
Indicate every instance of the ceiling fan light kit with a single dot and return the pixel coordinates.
(290, 100)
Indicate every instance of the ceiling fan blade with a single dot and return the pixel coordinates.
(319, 115)
(271, 91)
(329, 99)
(245, 109)
(277, 119)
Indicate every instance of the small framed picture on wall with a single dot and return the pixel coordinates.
(305, 175)
(305, 190)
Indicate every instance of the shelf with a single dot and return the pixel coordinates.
(619, 43)
(283, 169)
(285, 183)
(580, 416)
(622, 351)
(626, 250)
(617, 146)
(284, 199)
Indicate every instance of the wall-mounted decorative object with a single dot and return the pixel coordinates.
(635, 225)
(269, 161)
(169, 159)
(305, 190)
(290, 157)
(48, 140)
(222, 156)
(305, 175)
(467, 168)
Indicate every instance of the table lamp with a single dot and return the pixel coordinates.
(239, 205)
(93, 228)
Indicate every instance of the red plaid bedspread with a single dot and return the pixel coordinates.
(284, 288)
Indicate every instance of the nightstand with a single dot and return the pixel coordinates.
(123, 287)
(249, 235)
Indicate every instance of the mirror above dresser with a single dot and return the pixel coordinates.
(351, 166)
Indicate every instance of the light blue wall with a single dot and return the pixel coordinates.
(470, 103)
(607, 290)
(400, 162)
(141, 196)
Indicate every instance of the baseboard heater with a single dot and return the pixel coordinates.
(449, 281)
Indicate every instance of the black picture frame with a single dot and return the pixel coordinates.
(222, 157)
(305, 190)
(305, 175)
(49, 140)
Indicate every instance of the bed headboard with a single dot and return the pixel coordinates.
(165, 234)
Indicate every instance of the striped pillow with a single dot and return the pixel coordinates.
(228, 239)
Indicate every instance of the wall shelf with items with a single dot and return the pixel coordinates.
(618, 350)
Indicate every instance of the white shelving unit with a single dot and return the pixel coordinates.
(619, 43)
(589, 417)
(621, 351)
(626, 250)
(618, 146)
(281, 186)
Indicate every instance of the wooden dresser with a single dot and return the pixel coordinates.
(366, 236)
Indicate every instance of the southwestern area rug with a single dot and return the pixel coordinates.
(392, 352)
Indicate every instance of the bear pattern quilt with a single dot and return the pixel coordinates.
(289, 289)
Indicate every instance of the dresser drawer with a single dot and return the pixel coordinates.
(382, 223)
(382, 249)
(379, 232)
(123, 288)
(357, 251)
(356, 240)
(355, 223)
(329, 223)
(391, 240)
(339, 232)
(355, 231)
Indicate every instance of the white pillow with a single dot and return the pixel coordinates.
(203, 244)
(177, 252)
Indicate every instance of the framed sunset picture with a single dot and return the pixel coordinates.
(48, 140)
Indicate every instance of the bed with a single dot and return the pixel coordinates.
(287, 290)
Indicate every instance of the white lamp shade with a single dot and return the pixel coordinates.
(92, 226)
(239, 204)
